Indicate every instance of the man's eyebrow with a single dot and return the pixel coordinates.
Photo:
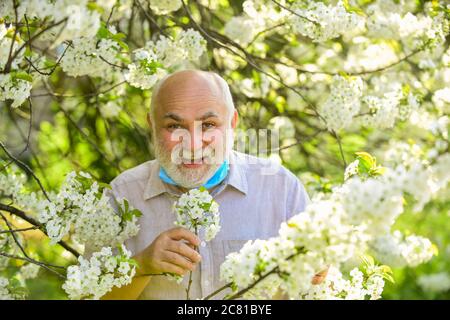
(176, 117)
(209, 114)
(173, 116)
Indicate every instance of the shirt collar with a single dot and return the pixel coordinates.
(155, 186)
(236, 178)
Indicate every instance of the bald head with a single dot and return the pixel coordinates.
(188, 86)
(192, 111)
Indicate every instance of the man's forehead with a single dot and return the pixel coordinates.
(189, 83)
(184, 83)
(190, 99)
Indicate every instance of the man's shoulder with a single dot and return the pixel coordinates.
(256, 166)
(138, 173)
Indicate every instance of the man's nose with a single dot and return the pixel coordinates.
(196, 137)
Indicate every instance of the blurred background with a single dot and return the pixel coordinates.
(86, 123)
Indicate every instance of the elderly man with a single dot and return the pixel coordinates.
(192, 111)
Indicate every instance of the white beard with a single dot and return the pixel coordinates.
(189, 177)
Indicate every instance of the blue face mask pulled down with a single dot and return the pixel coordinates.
(217, 178)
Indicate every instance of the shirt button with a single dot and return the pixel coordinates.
(207, 282)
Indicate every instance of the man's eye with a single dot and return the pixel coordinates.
(208, 125)
(174, 126)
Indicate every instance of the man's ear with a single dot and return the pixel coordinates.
(235, 119)
(149, 120)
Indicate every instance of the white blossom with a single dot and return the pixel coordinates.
(6, 37)
(435, 282)
(170, 52)
(146, 71)
(397, 251)
(8, 291)
(13, 88)
(197, 211)
(241, 29)
(11, 180)
(165, 6)
(87, 57)
(111, 109)
(343, 102)
(89, 212)
(5, 294)
(81, 22)
(383, 110)
(321, 22)
(93, 278)
(337, 287)
(29, 271)
(441, 98)
(306, 244)
(193, 44)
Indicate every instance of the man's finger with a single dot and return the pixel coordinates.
(175, 258)
(172, 268)
(184, 250)
(181, 233)
(320, 277)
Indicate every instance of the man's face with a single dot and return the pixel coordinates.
(192, 130)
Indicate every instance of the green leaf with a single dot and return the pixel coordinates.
(368, 261)
(136, 213)
(118, 36)
(28, 52)
(104, 185)
(385, 269)
(353, 9)
(150, 66)
(206, 206)
(365, 159)
(133, 263)
(95, 7)
(126, 205)
(123, 45)
(388, 277)
(102, 33)
(22, 76)
(434, 249)
(378, 171)
(344, 75)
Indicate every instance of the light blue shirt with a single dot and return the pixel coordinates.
(254, 199)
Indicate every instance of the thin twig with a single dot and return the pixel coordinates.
(150, 18)
(17, 52)
(54, 94)
(294, 13)
(25, 167)
(190, 272)
(340, 148)
(53, 67)
(24, 216)
(14, 236)
(209, 296)
(10, 58)
(40, 264)
(276, 269)
(19, 230)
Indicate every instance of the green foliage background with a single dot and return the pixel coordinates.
(71, 134)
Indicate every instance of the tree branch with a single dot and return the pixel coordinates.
(23, 215)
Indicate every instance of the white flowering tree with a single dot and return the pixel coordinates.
(335, 77)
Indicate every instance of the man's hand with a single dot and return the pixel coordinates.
(320, 277)
(172, 251)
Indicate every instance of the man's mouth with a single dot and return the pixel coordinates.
(193, 163)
